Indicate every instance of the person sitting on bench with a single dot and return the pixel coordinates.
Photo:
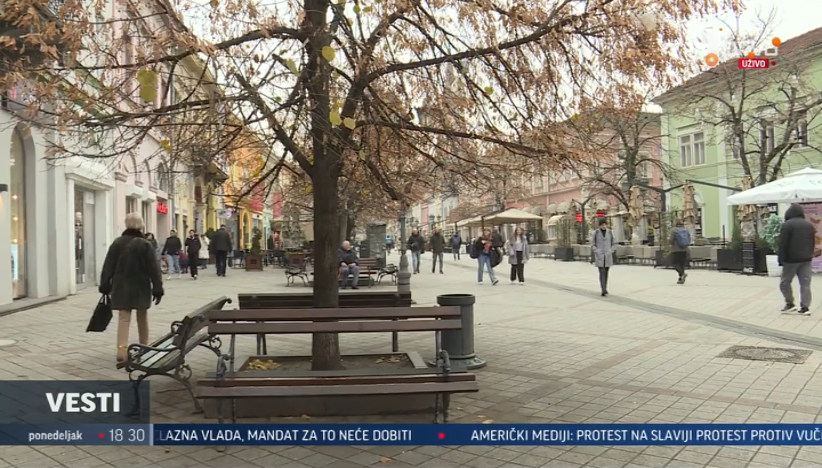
(349, 265)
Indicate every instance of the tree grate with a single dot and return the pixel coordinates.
(756, 353)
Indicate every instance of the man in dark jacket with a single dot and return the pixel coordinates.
(349, 265)
(797, 242)
(456, 243)
(497, 240)
(437, 243)
(193, 247)
(415, 245)
(220, 246)
(172, 249)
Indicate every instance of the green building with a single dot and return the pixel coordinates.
(725, 118)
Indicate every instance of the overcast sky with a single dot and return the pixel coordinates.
(794, 17)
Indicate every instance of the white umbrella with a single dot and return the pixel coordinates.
(512, 216)
(799, 187)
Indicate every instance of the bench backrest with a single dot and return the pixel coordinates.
(372, 263)
(366, 299)
(196, 321)
(333, 320)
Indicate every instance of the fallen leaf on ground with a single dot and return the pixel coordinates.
(488, 421)
(306, 417)
(481, 417)
(385, 460)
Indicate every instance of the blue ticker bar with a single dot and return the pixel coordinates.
(412, 434)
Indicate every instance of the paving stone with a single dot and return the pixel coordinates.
(591, 361)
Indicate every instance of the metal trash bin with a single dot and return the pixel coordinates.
(460, 343)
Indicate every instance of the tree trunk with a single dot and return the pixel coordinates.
(325, 347)
(325, 176)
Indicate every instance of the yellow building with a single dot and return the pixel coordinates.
(244, 202)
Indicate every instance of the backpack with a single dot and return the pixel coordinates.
(475, 252)
(682, 238)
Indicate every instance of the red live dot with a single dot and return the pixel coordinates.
(441, 435)
(102, 436)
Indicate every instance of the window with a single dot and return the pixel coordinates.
(767, 136)
(539, 182)
(131, 205)
(643, 165)
(736, 151)
(801, 132)
(692, 149)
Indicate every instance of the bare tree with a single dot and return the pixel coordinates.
(313, 77)
(765, 115)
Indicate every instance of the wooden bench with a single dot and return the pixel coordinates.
(440, 381)
(167, 355)
(347, 299)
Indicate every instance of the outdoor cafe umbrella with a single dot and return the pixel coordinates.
(636, 208)
(689, 215)
(799, 187)
(746, 212)
(512, 216)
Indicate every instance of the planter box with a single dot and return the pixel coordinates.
(269, 407)
(253, 262)
(662, 259)
(565, 254)
(728, 260)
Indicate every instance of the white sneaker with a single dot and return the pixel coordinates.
(169, 277)
(479, 283)
(512, 282)
(522, 283)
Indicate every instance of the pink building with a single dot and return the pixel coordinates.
(598, 186)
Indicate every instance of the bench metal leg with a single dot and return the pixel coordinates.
(181, 374)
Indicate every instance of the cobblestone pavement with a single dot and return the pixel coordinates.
(556, 351)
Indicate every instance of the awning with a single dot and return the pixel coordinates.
(563, 207)
(512, 216)
(470, 222)
(551, 209)
(553, 220)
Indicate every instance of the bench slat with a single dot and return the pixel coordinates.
(338, 390)
(332, 327)
(310, 381)
(333, 314)
(374, 372)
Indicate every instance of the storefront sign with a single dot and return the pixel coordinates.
(162, 208)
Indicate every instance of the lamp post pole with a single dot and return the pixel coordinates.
(403, 275)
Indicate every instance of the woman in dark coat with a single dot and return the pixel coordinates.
(131, 276)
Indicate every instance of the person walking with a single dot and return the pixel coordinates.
(205, 249)
(602, 253)
(171, 251)
(517, 256)
(193, 246)
(437, 243)
(497, 239)
(456, 243)
(484, 248)
(797, 245)
(221, 245)
(680, 240)
(131, 277)
(415, 244)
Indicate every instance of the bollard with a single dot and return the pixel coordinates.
(460, 343)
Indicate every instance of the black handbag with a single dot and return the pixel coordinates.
(102, 315)
(496, 257)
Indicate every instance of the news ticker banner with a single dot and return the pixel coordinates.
(73, 402)
(413, 434)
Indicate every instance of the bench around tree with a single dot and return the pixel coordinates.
(347, 299)
(167, 355)
(441, 381)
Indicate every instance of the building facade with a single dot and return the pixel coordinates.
(699, 142)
